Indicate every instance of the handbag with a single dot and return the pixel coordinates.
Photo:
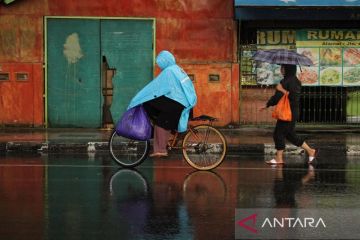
(135, 124)
(282, 110)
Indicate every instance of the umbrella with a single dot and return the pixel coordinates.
(282, 56)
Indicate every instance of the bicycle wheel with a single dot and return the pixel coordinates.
(128, 184)
(204, 147)
(204, 191)
(127, 152)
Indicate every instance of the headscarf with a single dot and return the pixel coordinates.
(290, 70)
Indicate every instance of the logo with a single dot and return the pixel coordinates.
(249, 223)
(251, 228)
(291, 223)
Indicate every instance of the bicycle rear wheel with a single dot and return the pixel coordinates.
(204, 148)
(127, 152)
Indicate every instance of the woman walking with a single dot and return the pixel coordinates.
(286, 129)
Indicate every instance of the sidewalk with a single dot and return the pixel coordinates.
(246, 140)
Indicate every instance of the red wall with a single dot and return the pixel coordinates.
(200, 33)
(22, 199)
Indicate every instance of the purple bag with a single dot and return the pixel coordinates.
(134, 124)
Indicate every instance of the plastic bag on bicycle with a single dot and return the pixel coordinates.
(134, 124)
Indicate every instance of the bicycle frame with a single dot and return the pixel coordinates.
(173, 142)
(203, 146)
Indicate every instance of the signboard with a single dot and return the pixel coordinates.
(335, 54)
(326, 38)
(325, 3)
(276, 37)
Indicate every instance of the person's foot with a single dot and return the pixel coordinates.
(159, 154)
(274, 162)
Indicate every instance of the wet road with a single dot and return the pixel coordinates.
(89, 197)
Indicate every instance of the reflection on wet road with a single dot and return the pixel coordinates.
(89, 197)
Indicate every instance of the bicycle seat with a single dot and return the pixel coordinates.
(203, 118)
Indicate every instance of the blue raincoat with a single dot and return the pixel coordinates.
(173, 83)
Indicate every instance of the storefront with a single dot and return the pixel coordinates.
(327, 32)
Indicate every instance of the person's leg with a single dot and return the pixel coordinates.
(161, 137)
(279, 140)
(279, 156)
(291, 135)
(310, 151)
(151, 110)
(297, 141)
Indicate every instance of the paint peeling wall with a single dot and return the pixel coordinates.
(201, 34)
(201, 31)
(214, 97)
(21, 37)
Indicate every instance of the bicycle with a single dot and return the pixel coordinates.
(203, 146)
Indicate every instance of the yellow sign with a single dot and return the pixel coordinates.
(276, 37)
(328, 38)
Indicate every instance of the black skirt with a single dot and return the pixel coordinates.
(164, 112)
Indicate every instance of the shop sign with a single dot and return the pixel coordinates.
(335, 54)
(276, 37)
(325, 38)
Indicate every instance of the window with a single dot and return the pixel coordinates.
(214, 78)
(4, 77)
(22, 76)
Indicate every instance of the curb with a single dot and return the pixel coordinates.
(48, 147)
(86, 147)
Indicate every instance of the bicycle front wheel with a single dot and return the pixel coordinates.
(204, 147)
(127, 152)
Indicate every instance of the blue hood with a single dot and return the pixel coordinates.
(165, 59)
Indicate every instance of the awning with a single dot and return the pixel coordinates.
(8, 1)
(303, 3)
(300, 13)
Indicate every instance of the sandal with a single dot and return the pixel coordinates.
(273, 162)
(312, 158)
(159, 154)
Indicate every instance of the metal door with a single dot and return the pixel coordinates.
(17, 94)
(127, 46)
(78, 94)
(23, 107)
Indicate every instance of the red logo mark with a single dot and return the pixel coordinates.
(247, 227)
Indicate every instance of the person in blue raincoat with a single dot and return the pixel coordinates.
(168, 100)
